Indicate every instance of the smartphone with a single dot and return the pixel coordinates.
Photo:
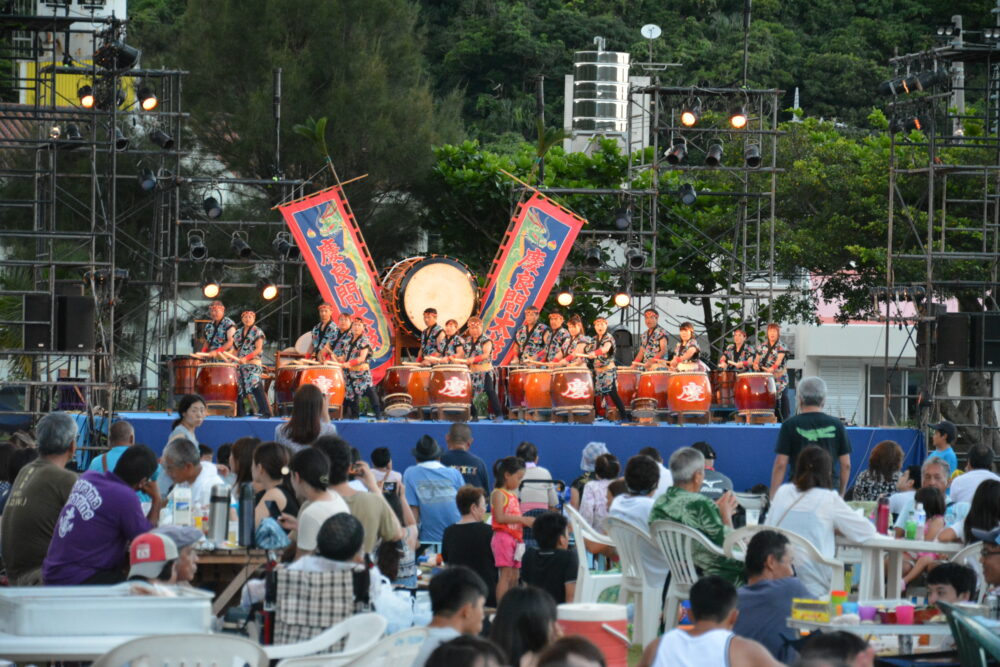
(272, 507)
(389, 487)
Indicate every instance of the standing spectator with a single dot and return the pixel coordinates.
(430, 490)
(508, 523)
(191, 413)
(635, 505)
(715, 483)
(907, 485)
(270, 481)
(182, 463)
(765, 602)
(310, 473)
(534, 494)
(594, 505)
(984, 514)
(943, 436)
(458, 456)
(36, 498)
(811, 426)
(587, 460)
(525, 624)
(468, 542)
(978, 469)
(389, 480)
(100, 518)
(882, 476)
(458, 599)
(551, 566)
(666, 480)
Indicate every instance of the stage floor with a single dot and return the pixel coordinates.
(746, 453)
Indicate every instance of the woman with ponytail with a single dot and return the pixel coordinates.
(310, 476)
(270, 481)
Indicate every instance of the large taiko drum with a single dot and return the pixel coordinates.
(184, 371)
(654, 390)
(417, 283)
(628, 384)
(516, 376)
(723, 387)
(451, 386)
(572, 389)
(418, 387)
(396, 401)
(216, 383)
(329, 378)
(537, 389)
(755, 393)
(689, 391)
(286, 381)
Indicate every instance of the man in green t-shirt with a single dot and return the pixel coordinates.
(811, 426)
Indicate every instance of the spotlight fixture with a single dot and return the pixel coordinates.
(116, 56)
(738, 119)
(565, 297)
(147, 98)
(284, 246)
(690, 115)
(687, 194)
(55, 132)
(751, 154)
(911, 83)
(161, 139)
(678, 151)
(623, 218)
(991, 33)
(906, 124)
(714, 155)
(86, 95)
(622, 299)
(210, 288)
(73, 132)
(268, 290)
(147, 179)
(128, 381)
(212, 207)
(949, 31)
(635, 258)
(240, 246)
(121, 141)
(592, 259)
(108, 96)
(196, 246)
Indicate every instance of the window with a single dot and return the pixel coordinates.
(844, 388)
(904, 384)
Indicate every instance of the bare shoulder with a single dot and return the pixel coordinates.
(745, 652)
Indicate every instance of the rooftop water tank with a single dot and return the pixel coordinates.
(600, 91)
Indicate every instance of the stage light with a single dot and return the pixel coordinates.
(622, 299)
(107, 96)
(55, 132)
(121, 141)
(593, 257)
(212, 207)
(284, 246)
(86, 95)
(565, 297)
(714, 155)
(147, 179)
(991, 33)
(635, 258)
(116, 56)
(738, 119)
(906, 124)
(211, 288)
(268, 290)
(623, 218)
(949, 31)
(912, 83)
(678, 151)
(161, 139)
(196, 246)
(73, 132)
(690, 115)
(240, 247)
(688, 195)
(147, 98)
(751, 154)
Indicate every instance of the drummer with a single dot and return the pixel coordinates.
(431, 338)
(602, 347)
(737, 354)
(480, 361)
(686, 352)
(573, 352)
(653, 350)
(557, 345)
(531, 337)
(453, 348)
(341, 337)
(248, 343)
(219, 332)
(320, 346)
(771, 358)
(358, 375)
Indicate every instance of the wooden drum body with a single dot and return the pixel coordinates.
(572, 390)
(216, 383)
(450, 386)
(628, 384)
(755, 393)
(537, 391)
(184, 371)
(286, 381)
(440, 282)
(689, 391)
(515, 387)
(329, 378)
(723, 387)
(418, 386)
(654, 390)
(396, 401)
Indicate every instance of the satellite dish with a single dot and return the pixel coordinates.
(651, 31)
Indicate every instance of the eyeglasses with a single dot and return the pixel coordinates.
(986, 553)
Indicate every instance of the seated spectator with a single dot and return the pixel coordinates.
(468, 541)
(710, 641)
(642, 475)
(572, 651)
(765, 602)
(36, 498)
(842, 646)
(551, 566)
(984, 514)
(524, 625)
(241, 462)
(270, 481)
(978, 469)
(310, 419)
(989, 554)
(666, 479)
(882, 475)
(397, 559)
(715, 483)
(471, 467)
(389, 480)
(616, 488)
(468, 651)
(934, 472)
(809, 507)
(355, 475)
(101, 517)
(121, 436)
(458, 600)
(916, 564)
(207, 453)
(165, 555)
(430, 489)
(684, 504)
(310, 474)
(223, 464)
(534, 493)
(182, 463)
(951, 583)
(587, 461)
(909, 482)
(594, 503)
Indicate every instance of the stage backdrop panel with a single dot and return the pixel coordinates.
(746, 453)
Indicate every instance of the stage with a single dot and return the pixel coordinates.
(746, 453)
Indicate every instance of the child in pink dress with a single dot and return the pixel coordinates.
(508, 524)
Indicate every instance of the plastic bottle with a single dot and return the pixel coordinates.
(921, 520)
(882, 516)
(910, 527)
(181, 509)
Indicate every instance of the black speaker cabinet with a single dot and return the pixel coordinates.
(952, 340)
(986, 340)
(37, 308)
(76, 323)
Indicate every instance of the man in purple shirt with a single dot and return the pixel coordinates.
(102, 515)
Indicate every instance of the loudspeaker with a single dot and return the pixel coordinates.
(952, 340)
(76, 323)
(986, 340)
(37, 308)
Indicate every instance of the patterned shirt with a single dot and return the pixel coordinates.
(339, 340)
(572, 344)
(431, 342)
(355, 346)
(245, 342)
(559, 344)
(768, 357)
(603, 361)
(531, 343)
(681, 349)
(474, 348)
(745, 355)
(453, 345)
(323, 335)
(651, 342)
(215, 333)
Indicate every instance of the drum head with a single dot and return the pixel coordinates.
(442, 283)
(303, 343)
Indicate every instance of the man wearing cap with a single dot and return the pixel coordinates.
(715, 483)
(248, 344)
(165, 555)
(989, 555)
(943, 436)
(99, 519)
(431, 489)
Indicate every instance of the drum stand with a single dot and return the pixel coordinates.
(221, 408)
(451, 412)
(536, 414)
(681, 418)
(756, 418)
(578, 415)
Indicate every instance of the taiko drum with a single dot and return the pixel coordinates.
(418, 387)
(654, 387)
(450, 384)
(689, 391)
(755, 393)
(571, 387)
(216, 383)
(723, 386)
(329, 378)
(537, 389)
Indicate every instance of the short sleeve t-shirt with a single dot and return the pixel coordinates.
(471, 467)
(432, 487)
(469, 544)
(312, 516)
(375, 515)
(550, 571)
(764, 610)
(813, 428)
(948, 455)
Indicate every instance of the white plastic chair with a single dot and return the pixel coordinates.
(396, 650)
(969, 556)
(589, 584)
(628, 540)
(189, 650)
(361, 630)
(677, 542)
(751, 501)
(736, 542)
